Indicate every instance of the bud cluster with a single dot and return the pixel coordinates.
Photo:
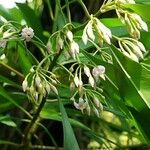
(94, 25)
(133, 21)
(39, 82)
(86, 101)
(132, 48)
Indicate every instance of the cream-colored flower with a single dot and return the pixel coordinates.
(74, 49)
(87, 71)
(27, 33)
(24, 85)
(3, 43)
(70, 35)
(81, 105)
(98, 71)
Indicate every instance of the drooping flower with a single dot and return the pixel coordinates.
(132, 48)
(70, 35)
(74, 49)
(98, 71)
(104, 34)
(3, 43)
(24, 85)
(81, 105)
(27, 33)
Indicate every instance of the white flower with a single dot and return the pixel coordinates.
(76, 80)
(47, 88)
(3, 43)
(96, 101)
(37, 80)
(24, 85)
(98, 71)
(81, 105)
(60, 43)
(27, 33)
(91, 81)
(103, 31)
(2, 57)
(141, 23)
(84, 36)
(90, 31)
(87, 71)
(74, 49)
(70, 36)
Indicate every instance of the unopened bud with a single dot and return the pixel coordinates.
(70, 36)
(54, 89)
(24, 85)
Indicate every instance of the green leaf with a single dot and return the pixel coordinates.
(7, 121)
(7, 96)
(24, 60)
(70, 142)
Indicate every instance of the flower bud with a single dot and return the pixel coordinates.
(96, 101)
(24, 85)
(3, 43)
(2, 57)
(90, 32)
(96, 112)
(37, 80)
(91, 81)
(54, 89)
(70, 36)
(87, 71)
(88, 109)
(47, 87)
(60, 43)
(76, 80)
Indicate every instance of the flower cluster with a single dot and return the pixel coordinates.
(104, 34)
(87, 101)
(133, 21)
(132, 48)
(89, 104)
(39, 82)
(27, 33)
(73, 46)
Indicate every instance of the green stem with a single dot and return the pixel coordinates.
(12, 69)
(32, 125)
(84, 8)
(68, 11)
(50, 9)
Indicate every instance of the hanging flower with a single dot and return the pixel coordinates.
(98, 71)
(95, 25)
(81, 105)
(27, 33)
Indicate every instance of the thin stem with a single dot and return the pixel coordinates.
(50, 9)
(84, 8)
(68, 11)
(27, 137)
(12, 69)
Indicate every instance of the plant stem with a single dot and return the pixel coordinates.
(84, 8)
(12, 69)
(68, 11)
(26, 141)
(27, 137)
